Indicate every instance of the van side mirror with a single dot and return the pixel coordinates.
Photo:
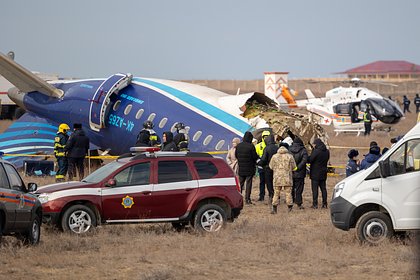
(383, 169)
(32, 187)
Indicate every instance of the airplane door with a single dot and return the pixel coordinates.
(101, 98)
(130, 198)
(401, 190)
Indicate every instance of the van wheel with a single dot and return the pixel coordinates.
(33, 234)
(374, 227)
(78, 219)
(209, 218)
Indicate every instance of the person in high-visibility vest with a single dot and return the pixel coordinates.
(367, 119)
(60, 142)
(147, 131)
(259, 148)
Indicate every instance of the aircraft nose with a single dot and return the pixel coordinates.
(17, 96)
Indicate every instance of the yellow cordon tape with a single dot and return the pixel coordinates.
(115, 157)
(52, 156)
(341, 147)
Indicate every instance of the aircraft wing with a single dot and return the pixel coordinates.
(30, 135)
(24, 79)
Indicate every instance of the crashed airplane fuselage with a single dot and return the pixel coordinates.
(112, 111)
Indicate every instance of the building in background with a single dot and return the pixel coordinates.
(385, 70)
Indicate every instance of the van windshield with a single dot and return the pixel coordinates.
(101, 173)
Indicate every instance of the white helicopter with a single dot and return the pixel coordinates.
(344, 108)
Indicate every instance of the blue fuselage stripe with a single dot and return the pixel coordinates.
(25, 132)
(211, 110)
(22, 141)
(32, 125)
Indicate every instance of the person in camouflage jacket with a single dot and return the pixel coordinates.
(282, 165)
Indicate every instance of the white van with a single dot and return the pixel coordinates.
(383, 198)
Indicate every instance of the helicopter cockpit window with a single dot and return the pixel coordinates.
(385, 110)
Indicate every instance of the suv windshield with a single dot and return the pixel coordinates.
(102, 172)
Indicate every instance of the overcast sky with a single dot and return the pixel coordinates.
(218, 39)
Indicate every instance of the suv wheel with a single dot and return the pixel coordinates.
(210, 218)
(33, 234)
(78, 219)
(373, 227)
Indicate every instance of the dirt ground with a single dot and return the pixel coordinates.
(302, 244)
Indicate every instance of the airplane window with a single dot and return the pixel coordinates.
(151, 117)
(139, 113)
(220, 144)
(207, 140)
(187, 129)
(173, 129)
(128, 109)
(116, 105)
(197, 135)
(163, 122)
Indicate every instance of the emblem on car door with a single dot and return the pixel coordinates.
(21, 202)
(127, 201)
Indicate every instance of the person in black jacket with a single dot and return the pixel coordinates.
(181, 138)
(318, 174)
(417, 103)
(168, 142)
(247, 158)
(143, 139)
(77, 148)
(269, 150)
(298, 150)
(406, 103)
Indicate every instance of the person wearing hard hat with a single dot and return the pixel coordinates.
(181, 138)
(259, 148)
(60, 142)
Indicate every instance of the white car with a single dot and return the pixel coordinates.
(383, 198)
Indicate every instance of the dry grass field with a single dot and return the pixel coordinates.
(302, 244)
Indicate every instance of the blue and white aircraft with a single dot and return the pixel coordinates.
(113, 110)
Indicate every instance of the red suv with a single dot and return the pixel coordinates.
(178, 187)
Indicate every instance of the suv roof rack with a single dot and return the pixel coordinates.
(147, 152)
(170, 154)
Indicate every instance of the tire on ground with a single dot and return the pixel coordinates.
(78, 219)
(33, 234)
(373, 227)
(210, 218)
